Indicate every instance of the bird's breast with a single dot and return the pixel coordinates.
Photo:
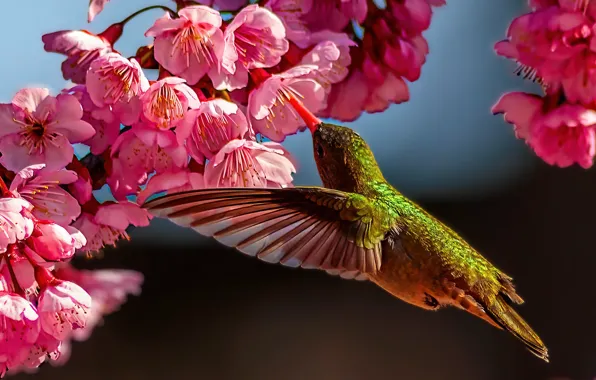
(412, 275)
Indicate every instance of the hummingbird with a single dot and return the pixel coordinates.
(357, 226)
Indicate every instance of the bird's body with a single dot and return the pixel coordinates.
(359, 227)
(428, 265)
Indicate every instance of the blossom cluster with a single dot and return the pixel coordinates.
(555, 45)
(206, 104)
(44, 301)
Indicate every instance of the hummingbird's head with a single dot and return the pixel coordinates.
(343, 158)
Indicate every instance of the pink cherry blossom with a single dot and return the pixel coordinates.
(42, 188)
(243, 163)
(23, 280)
(291, 13)
(112, 286)
(190, 45)
(152, 135)
(98, 236)
(108, 289)
(121, 215)
(46, 347)
(65, 348)
(63, 305)
(124, 183)
(550, 43)
(107, 128)
(20, 323)
(116, 81)
(256, 38)
(519, 109)
(55, 243)
(81, 48)
(95, 8)
(347, 99)
(354, 9)
(82, 188)
(394, 44)
(586, 6)
(132, 160)
(21, 328)
(330, 15)
(167, 100)
(15, 224)
(580, 83)
(171, 182)
(39, 128)
(566, 136)
(110, 223)
(413, 16)
(561, 135)
(393, 90)
(205, 130)
(269, 108)
(405, 57)
(103, 119)
(374, 70)
(331, 56)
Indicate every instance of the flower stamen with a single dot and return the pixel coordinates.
(34, 134)
(194, 42)
(167, 106)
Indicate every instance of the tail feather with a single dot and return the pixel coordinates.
(507, 318)
(509, 290)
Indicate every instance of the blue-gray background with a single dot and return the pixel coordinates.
(209, 313)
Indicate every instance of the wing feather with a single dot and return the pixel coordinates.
(300, 252)
(304, 227)
(290, 237)
(288, 220)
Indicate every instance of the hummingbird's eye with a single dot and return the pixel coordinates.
(320, 151)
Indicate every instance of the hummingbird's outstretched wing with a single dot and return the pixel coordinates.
(310, 227)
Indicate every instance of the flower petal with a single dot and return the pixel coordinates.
(59, 155)
(8, 125)
(518, 108)
(165, 24)
(76, 131)
(68, 108)
(70, 42)
(29, 98)
(95, 8)
(16, 156)
(162, 182)
(202, 15)
(24, 175)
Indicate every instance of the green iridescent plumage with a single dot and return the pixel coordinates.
(426, 263)
(358, 227)
(392, 209)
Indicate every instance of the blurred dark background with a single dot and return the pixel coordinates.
(208, 312)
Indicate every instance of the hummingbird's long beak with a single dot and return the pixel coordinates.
(312, 122)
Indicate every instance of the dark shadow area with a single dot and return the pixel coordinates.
(207, 312)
